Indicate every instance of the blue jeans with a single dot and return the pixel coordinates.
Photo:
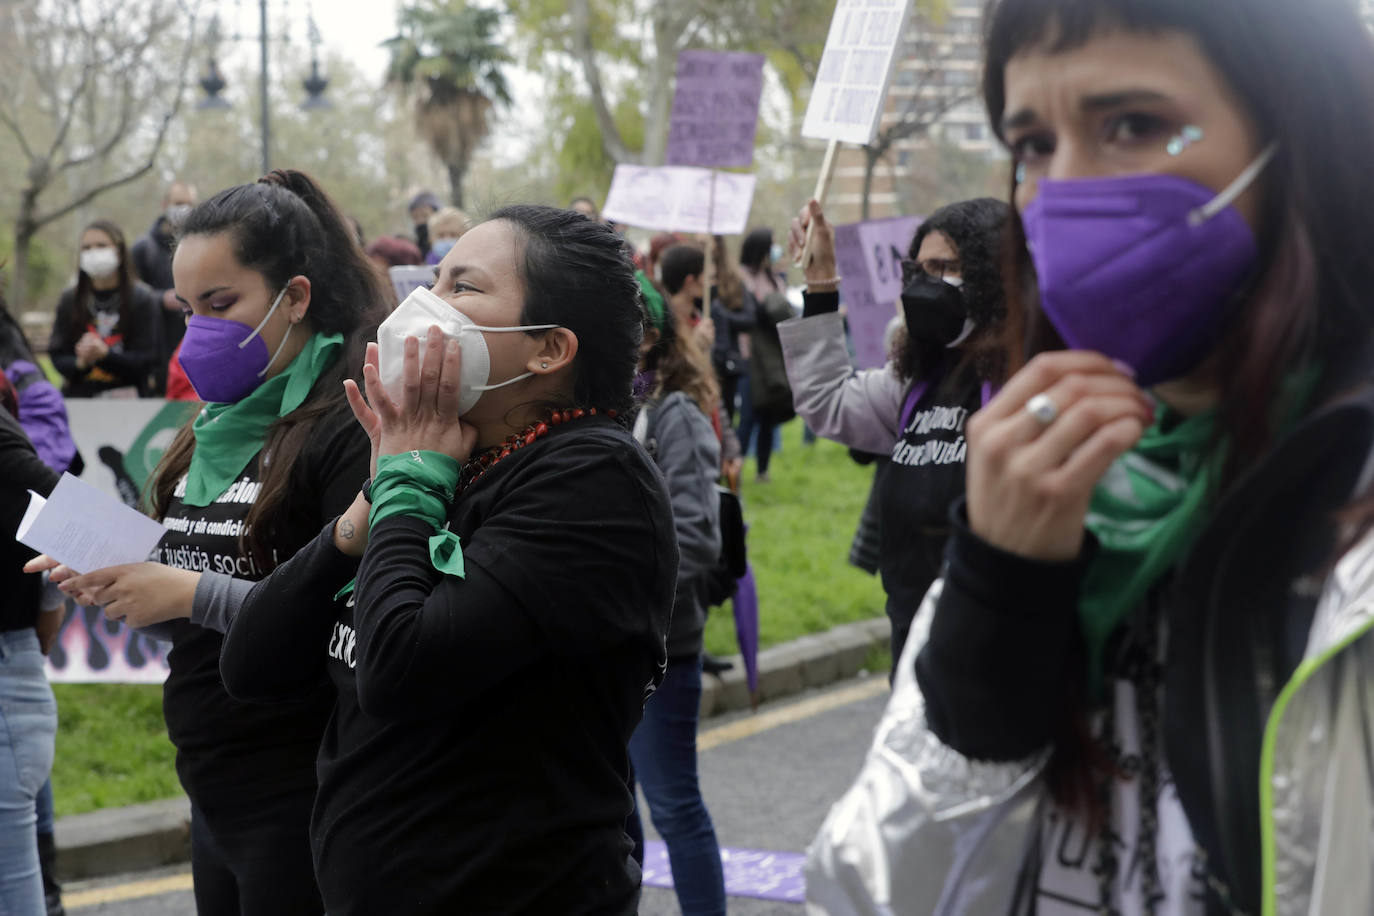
(664, 753)
(45, 812)
(28, 728)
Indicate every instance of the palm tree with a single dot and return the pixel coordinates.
(448, 59)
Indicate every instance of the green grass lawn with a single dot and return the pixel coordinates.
(800, 528)
(112, 746)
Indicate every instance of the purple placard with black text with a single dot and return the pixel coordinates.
(715, 109)
(868, 258)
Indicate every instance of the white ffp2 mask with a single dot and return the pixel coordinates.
(413, 318)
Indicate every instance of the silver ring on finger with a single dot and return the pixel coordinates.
(1043, 409)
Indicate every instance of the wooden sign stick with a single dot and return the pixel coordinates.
(822, 189)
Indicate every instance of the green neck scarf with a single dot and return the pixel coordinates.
(1145, 514)
(653, 300)
(229, 435)
(1149, 507)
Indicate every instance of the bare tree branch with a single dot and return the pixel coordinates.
(13, 128)
(37, 221)
(585, 53)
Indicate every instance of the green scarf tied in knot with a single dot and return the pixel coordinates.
(1145, 513)
(229, 435)
(418, 485)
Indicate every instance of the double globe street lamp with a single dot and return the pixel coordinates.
(213, 81)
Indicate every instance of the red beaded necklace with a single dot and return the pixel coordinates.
(478, 465)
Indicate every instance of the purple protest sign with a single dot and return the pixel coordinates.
(759, 873)
(715, 109)
(868, 258)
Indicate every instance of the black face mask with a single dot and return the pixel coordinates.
(935, 311)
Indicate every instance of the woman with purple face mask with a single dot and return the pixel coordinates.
(280, 303)
(1146, 682)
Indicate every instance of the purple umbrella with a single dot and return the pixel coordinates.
(746, 605)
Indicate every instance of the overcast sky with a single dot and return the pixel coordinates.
(355, 29)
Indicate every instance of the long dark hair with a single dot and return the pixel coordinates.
(977, 230)
(580, 275)
(283, 226)
(756, 251)
(679, 364)
(1305, 74)
(80, 317)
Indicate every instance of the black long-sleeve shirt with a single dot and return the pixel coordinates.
(1004, 647)
(133, 349)
(476, 757)
(229, 752)
(21, 470)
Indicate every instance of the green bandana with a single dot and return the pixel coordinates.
(1145, 514)
(229, 435)
(419, 485)
(653, 300)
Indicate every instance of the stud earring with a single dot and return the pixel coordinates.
(543, 365)
(1186, 138)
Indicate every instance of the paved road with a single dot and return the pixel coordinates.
(768, 779)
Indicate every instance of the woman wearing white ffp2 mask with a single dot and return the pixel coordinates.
(104, 336)
(413, 318)
(512, 567)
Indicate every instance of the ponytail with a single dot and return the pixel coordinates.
(282, 226)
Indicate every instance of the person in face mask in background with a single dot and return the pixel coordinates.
(152, 256)
(445, 228)
(422, 207)
(280, 303)
(105, 332)
(944, 364)
(1154, 644)
(493, 609)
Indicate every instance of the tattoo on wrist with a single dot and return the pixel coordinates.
(346, 529)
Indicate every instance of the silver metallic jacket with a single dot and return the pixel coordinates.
(925, 830)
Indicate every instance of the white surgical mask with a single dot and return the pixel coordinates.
(413, 318)
(98, 262)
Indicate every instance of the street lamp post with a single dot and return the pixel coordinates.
(213, 82)
(262, 90)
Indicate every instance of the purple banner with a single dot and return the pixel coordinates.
(868, 258)
(758, 873)
(715, 109)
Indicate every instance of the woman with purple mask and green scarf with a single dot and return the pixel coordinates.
(1145, 683)
(280, 304)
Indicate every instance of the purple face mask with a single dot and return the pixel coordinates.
(1141, 268)
(225, 360)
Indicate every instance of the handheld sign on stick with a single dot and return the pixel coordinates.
(679, 199)
(851, 86)
(715, 115)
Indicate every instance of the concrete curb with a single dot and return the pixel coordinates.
(141, 837)
(812, 661)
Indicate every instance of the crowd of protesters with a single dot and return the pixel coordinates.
(1120, 508)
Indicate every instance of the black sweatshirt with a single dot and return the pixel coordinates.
(1015, 617)
(228, 752)
(21, 470)
(476, 758)
(133, 348)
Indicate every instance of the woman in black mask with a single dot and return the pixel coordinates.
(943, 367)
